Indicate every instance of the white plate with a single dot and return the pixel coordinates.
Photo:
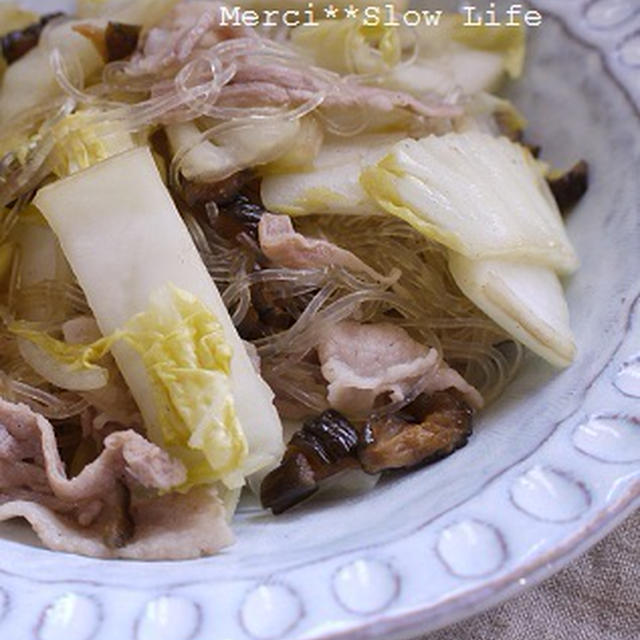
(552, 467)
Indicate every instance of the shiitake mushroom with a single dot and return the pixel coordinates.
(430, 428)
(569, 187)
(18, 43)
(324, 446)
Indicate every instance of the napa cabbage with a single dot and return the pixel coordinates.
(332, 183)
(83, 139)
(526, 300)
(125, 241)
(350, 46)
(188, 362)
(453, 57)
(481, 196)
(485, 199)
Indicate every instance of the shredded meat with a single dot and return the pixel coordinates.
(170, 527)
(285, 247)
(95, 512)
(30, 439)
(272, 84)
(193, 28)
(363, 362)
(189, 28)
(402, 441)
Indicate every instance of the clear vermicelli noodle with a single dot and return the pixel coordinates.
(423, 299)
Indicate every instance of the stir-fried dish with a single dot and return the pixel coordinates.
(272, 257)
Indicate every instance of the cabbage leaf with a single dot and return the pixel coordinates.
(188, 361)
(14, 17)
(83, 139)
(68, 366)
(524, 299)
(482, 197)
(332, 184)
(231, 148)
(455, 57)
(349, 46)
(507, 42)
(126, 242)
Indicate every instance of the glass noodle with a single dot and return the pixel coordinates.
(421, 297)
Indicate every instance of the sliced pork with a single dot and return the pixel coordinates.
(364, 362)
(281, 84)
(189, 29)
(281, 243)
(194, 31)
(111, 508)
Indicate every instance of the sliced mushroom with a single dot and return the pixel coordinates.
(569, 187)
(115, 42)
(429, 429)
(324, 446)
(199, 192)
(240, 214)
(121, 40)
(16, 44)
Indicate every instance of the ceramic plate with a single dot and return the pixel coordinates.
(551, 468)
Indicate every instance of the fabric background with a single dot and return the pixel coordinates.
(595, 598)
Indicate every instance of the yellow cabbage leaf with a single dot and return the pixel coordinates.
(14, 17)
(481, 196)
(68, 366)
(187, 360)
(350, 46)
(74, 356)
(83, 139)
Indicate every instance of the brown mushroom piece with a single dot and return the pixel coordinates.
(325, 446)
(115, 42)
(197, 193)
(121, 40)
(18, 43)
(429, 429)
(569, 187)
(239, 215)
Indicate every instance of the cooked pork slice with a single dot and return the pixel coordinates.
(281, 243)
(112, 507)
(273, 84)
(363, 362)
